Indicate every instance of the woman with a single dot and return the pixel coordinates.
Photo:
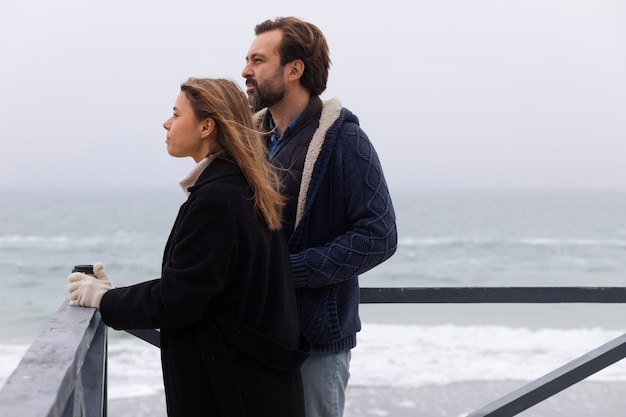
(225, 303)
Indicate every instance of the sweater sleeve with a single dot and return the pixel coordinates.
(369, 236)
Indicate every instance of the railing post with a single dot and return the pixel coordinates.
(93, 376)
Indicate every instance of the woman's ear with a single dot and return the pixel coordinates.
(208, 126)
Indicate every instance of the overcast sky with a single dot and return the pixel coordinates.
(453, 93)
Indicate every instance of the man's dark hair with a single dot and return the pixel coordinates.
(304, 41)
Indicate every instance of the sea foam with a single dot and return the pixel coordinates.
(395, 356)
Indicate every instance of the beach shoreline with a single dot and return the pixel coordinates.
(585, 399)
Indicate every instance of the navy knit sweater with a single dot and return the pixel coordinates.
(344, 222)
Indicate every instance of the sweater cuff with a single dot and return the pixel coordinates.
(299, 270)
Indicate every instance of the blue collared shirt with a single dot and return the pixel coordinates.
(276, 142)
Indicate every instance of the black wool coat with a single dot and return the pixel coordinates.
(225, 305)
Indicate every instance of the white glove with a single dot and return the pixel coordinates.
(86, 290)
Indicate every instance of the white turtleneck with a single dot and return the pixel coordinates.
(191, 178)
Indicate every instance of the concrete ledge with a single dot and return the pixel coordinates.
(47, 381)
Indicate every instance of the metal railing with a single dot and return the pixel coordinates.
(63, 373)
(548, 385)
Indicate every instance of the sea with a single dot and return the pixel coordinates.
(446, 237)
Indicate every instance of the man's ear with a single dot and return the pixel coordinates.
(208, 125)
(296, 69)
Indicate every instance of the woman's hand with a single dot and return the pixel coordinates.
(86, 290)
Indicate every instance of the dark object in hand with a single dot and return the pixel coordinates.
(85, 269)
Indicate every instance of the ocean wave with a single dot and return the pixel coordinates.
(63, 241)
(134, 368)
(396, 356)
(10, 356)
(410, 355)
(573, 242)
(537, 241)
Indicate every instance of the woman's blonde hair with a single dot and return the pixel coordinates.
(224, 102)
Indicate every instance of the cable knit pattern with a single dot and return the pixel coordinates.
(345, 226)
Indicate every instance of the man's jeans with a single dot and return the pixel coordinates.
(325, 379)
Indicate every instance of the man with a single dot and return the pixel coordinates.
(339, 219)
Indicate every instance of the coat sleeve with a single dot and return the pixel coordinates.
(203, 242)
(370, 236)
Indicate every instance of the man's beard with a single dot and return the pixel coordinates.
(268, 93)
